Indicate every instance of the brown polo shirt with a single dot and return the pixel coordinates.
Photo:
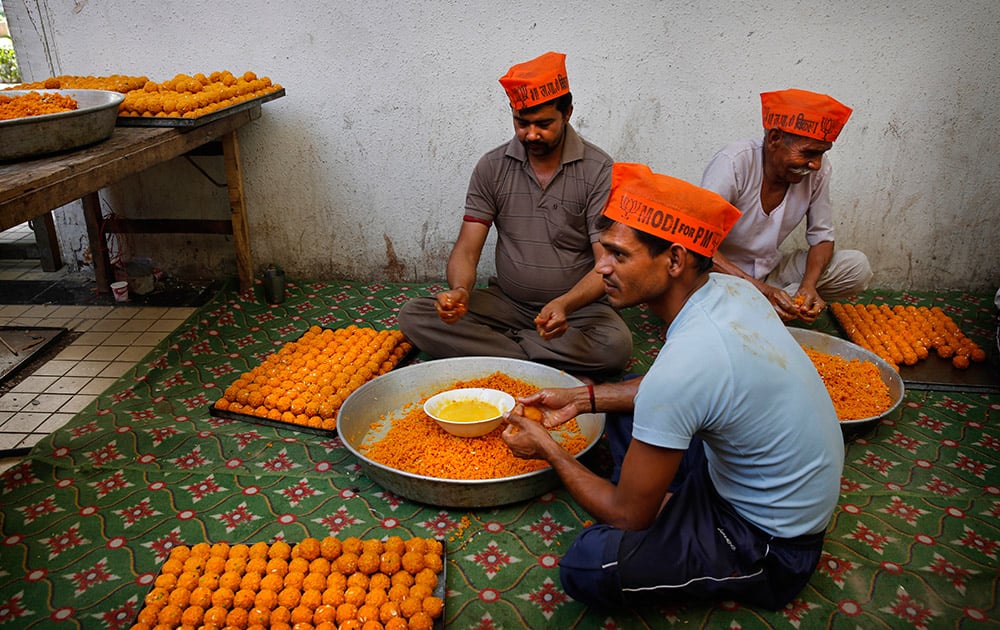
(543, 236)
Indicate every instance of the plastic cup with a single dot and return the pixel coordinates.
(120, 291)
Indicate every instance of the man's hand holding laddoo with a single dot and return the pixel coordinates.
(452, 304)
(551, 321)
(554, 406)
(809, 305)
(526, 438)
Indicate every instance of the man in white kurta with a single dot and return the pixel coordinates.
(777, 182)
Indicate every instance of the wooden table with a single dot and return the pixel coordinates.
(32, 189)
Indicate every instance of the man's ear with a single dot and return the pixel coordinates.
(773, 137)
(677, 260)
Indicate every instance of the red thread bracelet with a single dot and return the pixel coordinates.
(593, 405)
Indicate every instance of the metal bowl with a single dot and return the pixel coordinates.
(829, 344)
(387, 396)
(33, 136)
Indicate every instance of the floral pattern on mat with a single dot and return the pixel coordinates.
(89, 517)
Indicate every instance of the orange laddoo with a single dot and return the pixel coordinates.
(346, 612)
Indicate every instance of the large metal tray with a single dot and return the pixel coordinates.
(388, 394)
(33, 136)
(829, 344)
(178, 121)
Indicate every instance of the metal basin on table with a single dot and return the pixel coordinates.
(33, 136)
(828, 344)
(388, 394)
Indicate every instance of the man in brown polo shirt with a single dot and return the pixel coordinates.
(544, 191)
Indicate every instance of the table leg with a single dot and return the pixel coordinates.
(238, 209)
(47, 242)
(98, 246)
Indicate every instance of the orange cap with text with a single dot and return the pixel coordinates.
(537, 81)
(669, 208)
(804, 113)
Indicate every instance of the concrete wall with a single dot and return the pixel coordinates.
(360, 171)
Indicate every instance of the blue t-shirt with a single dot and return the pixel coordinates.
(731, 373)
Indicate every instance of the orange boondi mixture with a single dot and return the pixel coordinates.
(416, 444)
(856, 387)
(34, 104)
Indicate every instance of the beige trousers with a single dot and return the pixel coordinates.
(847, 274)
(597, 344)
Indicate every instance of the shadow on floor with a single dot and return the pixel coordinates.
(83, 292)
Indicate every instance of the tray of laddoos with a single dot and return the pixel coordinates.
(324, 584)
(925, 345)
(183, 101)
(303, 385)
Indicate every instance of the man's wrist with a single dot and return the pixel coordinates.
(586, 402)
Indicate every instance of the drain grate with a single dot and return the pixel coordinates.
(20, 344)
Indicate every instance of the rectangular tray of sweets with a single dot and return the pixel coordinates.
(311, 581)
(903, 324)
(179, 121)
(303, 385)
(276, 424)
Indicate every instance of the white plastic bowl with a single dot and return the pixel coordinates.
(503, 402)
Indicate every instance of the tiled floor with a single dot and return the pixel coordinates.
(21, 237)
(111, 340)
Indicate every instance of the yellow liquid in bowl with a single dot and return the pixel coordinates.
(468, 411)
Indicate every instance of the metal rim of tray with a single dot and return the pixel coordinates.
(830, 344)
(34, 136)
(106, 99)
(181, 122)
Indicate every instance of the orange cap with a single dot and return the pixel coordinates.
(669, 208)
(537, 81)
(804, 113)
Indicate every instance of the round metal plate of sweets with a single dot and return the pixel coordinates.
(828, 344)
(388, 395)
(33, 136)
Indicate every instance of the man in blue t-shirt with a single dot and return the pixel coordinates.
(728, 453)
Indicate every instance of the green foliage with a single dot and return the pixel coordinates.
(9, 72)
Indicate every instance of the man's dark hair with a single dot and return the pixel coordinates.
(563, 103)
(656, 245)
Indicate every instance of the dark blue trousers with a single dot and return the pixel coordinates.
(698, 549)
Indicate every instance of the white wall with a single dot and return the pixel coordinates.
(360, 170)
